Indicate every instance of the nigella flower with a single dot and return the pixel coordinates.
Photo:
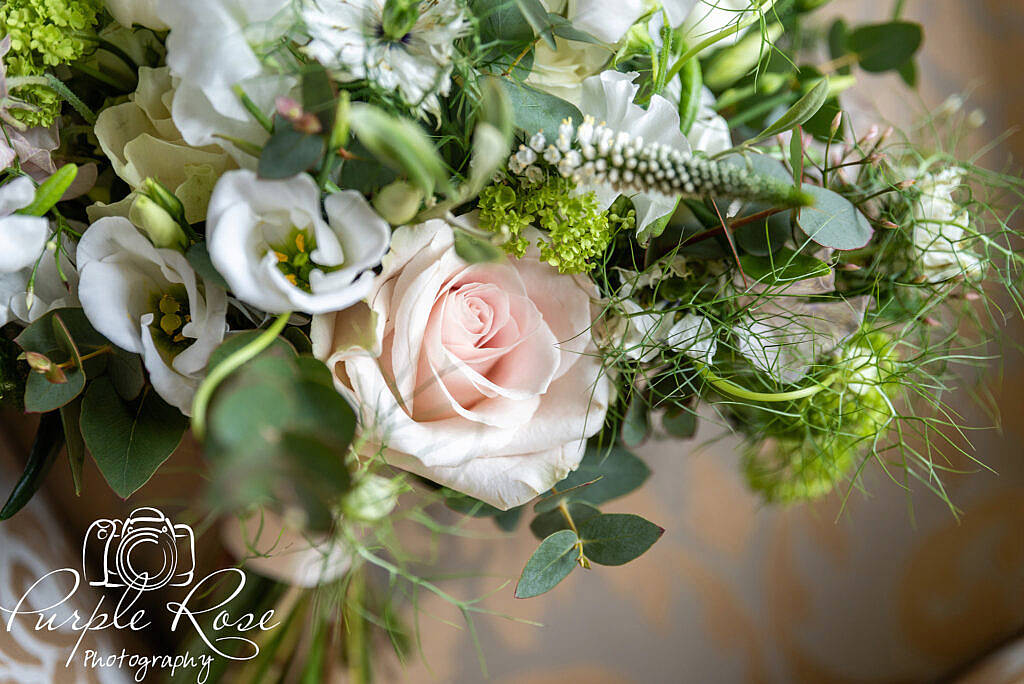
(400, 45)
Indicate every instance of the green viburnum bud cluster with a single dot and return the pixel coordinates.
(815, 445)
(44, 34)
(575, 229)
(595, 154)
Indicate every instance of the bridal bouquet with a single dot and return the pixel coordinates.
(392, 261)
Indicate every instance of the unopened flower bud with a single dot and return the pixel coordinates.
(40, 363)
(161, 228)
(159, 193)
(398, 202)
(372, 499)
(837, 122)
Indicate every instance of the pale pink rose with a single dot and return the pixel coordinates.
(484, 378)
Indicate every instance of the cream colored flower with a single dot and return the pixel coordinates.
(141, 141)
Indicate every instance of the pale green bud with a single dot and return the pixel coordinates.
(159, 193)
(161, 228)
(398, 202)
(399, 17)
(372, 499)
(734, 62)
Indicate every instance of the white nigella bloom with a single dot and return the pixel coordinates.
(24, 251)
(693, 335)
(149, 301)
(940, 226)
(400, 45)
(269, 241)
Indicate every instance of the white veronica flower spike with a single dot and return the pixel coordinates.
(268, 240)
(149, 301)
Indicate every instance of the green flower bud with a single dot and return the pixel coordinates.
(372, 499)
(164, 198)
(733, 63)
(399, 17)
(157, 224)
(398, 202)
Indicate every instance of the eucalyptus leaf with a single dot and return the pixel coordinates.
(129, 442)
(680, 422)
(70, 418)
(199, 258)
(785, 266)
(537, 16)
(289, 152)
(42, 396)
(617, 538)
(801, 111)
(546, 524)
(620, 472)
(885, 47)
(833, 221)
(534, 110)
(635, 424)
(552, 562)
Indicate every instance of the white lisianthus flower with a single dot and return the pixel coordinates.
(710, 131)
(608, 97)
(700, 19)
(141, 12)
(939, 229)
(606, 20)
(210, 48)
(22, 238)
(410, 53)
(268, 240)
(149, 301)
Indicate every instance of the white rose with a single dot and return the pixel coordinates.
(268, 240)
(150, 302)
(562, 71)
(141, 141)
(483, 377)
(141, 12)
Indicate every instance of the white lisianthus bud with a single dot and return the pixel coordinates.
(398, 202)
(161, 229)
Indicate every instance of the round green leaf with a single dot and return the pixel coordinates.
(833, 221)
(546, 524)
(883, 47)
(553, 560)
(617, 538)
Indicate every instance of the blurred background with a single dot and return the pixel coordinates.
(892, 589)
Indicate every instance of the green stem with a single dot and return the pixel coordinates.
(731, 388)
(229, 366)
(708, 42)
(257, 114)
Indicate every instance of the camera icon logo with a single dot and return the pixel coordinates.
(145, 551)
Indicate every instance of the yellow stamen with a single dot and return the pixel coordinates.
(291, 279)
(169, 305)
(169, 323)
(281, 256)
(300, 241)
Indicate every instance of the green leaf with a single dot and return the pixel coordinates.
(475, 250)
(680, 422)
(785, 266)
(401, 144)
(289, 152)
(552, 501)
(318, 96)
(534, 110)
(617, 538)
(563, 28)
(43, 396)
(363, 173)
(635, 424)
(234, 342)
(70, 417)
(801, 111)
(199, 258)
(552, 562)
(509, 35)
(884, 47)
(908, 72)
(764, 236)
(620, 472)
(507, 521)
(838, 42)
(129, 442)
(298, 339)
(48, 441)
(41, 337)
(546, 524)
(51, 190)
(537, 16)
(126, 372)
(833, 221)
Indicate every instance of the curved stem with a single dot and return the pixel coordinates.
(229, 366)
(732, 389)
